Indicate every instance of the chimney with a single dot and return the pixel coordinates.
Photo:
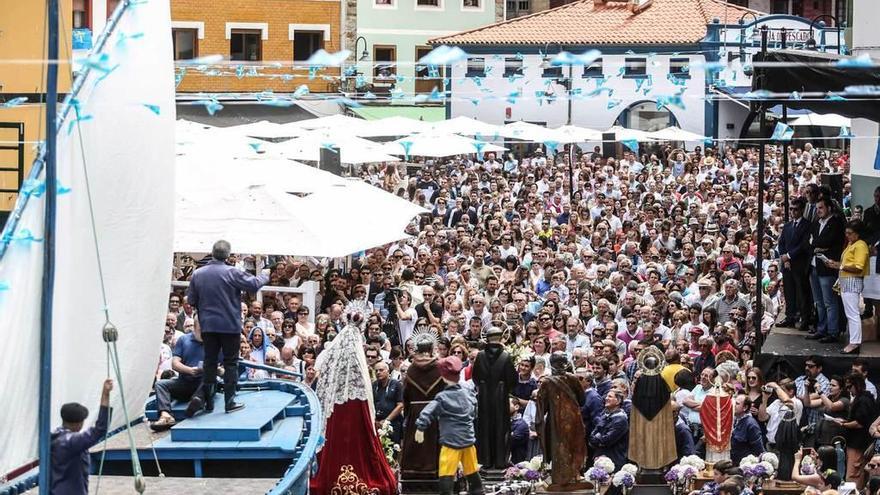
(636, 6)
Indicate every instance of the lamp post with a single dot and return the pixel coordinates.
(817, 21)
(364, 56)
(566, 83)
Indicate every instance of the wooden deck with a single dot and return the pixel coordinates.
(113, 485)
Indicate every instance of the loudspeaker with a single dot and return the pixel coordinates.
(608, 142)
(835, 183)
(330, 160)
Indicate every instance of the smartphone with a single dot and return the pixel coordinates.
(809, 451)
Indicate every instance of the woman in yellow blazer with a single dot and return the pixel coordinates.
(853, 267)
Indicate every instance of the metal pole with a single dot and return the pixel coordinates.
(762, 157)
(571, 146)
(48, 283)
(784, 147)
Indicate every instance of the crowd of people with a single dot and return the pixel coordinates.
(600, 259)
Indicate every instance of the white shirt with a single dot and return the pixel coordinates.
(776, 411)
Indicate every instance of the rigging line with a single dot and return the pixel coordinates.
(139, 482)
(109, 421)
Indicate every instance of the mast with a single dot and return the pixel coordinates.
(48, 284)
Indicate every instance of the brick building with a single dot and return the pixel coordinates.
(266, 42)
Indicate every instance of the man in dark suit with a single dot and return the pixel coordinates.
(812, 194)
(826, 239)
(461, 211)
(793, 247)
(871, 235)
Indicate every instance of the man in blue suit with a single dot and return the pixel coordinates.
(793, 248)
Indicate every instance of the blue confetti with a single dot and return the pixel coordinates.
(512, 96)
(444, 55)
(239, 71)
(3, 286)
(322, 58)
(782, 132)
(99, 62)
(256, 146)
(33, 187)
(178, 77)
(435, 95)
(845, 133)
(518, 56)
(479, 145)
(25, 236)
(632, 144)
(360, 81)
(313, 72)
(399, 79)
(834, 97)
(761, 94)
(613, 102)
(369, 96)
(123, 38)
(860, 62)
(17, 101)
(153, 108)
(795, 96)
(407, 145)
(397, 93)
(551, 147)
(212, 105)
(277, 102)
(862, 90)
(301, 91)
(670, 101)
(539, 95)
(477, 80)
(475, 101)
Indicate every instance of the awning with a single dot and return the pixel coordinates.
(418, 112)
(813, 73)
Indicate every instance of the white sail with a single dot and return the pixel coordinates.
(125, 137)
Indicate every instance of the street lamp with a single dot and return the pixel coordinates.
(811, 43)
(364, 55)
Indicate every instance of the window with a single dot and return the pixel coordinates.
(680, 67)
(524, 5)
(551, 71)
(246, 45)
(111, 7)
(779, 7)
(593, 70)
(476, 67)
(185, 43)
(470, 4)
(385, 60)
(513, 66)
(644, 116)
(635, 67)
(428, 3)
(383, 3)
(82, 14)
(511, 6)
(305, 43)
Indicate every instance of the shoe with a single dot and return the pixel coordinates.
(788, 322)
(855, 350)
(233, 406)
(163, 424)
(195, 405)
(445, 485)
(828, 340)
(475, 484)
(209, 398)
(815, 336)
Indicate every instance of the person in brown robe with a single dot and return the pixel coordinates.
(422, 382)
(651, 425)
(557, 422)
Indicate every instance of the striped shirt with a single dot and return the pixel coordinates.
(812, 413)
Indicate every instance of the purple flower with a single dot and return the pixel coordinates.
(757, 471)
(532, 475)
(511, 473)
(671, 476)
(628, 480)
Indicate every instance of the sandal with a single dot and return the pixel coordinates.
(162, 424)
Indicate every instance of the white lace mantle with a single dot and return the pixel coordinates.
(343, 374)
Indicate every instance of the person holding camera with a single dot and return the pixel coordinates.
(406, 316)
(781, 410)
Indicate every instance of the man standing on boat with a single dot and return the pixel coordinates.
(215, 292)
(70, 445)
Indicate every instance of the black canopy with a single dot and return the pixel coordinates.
(787, 71)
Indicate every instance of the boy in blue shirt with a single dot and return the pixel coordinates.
(455, 409)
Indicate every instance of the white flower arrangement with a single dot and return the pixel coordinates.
(695, 461)
(630, 468)
(748, 461)
(623, 479)
(771, 458)
(808, 465)
(605, 463)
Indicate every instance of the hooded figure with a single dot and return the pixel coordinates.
(652, 429)
(494, 378)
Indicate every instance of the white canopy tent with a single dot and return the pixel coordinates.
(675, 134)
(335, 122)
(233, 174)
(821, 120)
(575, 134)
(526, 131)
(439, 145)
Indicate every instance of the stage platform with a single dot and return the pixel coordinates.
(787, 347)
(178, 486)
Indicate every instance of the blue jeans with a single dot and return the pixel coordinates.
(826, 304)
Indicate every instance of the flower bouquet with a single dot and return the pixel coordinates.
(390, 448)
(625, 479)
(518, 352)
(759, 469)
(679, 478)
(808, 466)
(533, 472)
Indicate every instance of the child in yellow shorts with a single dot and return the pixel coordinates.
(455, 410)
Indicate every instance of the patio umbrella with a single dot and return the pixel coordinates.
(467, 126)
(335, 121)
(675, 134)
(438, 145)
(821, 120)
(352, 149)
(264, 129)
(391, 126)
(575, 134)
(526, 131)
(624, 134)
(197, 173)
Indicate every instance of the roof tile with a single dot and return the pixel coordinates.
(586, 22)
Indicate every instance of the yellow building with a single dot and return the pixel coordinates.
(261, 42)
(22, 74)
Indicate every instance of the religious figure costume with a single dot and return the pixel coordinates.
(494, 378)
(351, 460)
(651, 425)
(557, 421)
(716, 416)
(422, 382)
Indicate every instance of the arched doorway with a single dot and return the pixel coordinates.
(645, 116)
